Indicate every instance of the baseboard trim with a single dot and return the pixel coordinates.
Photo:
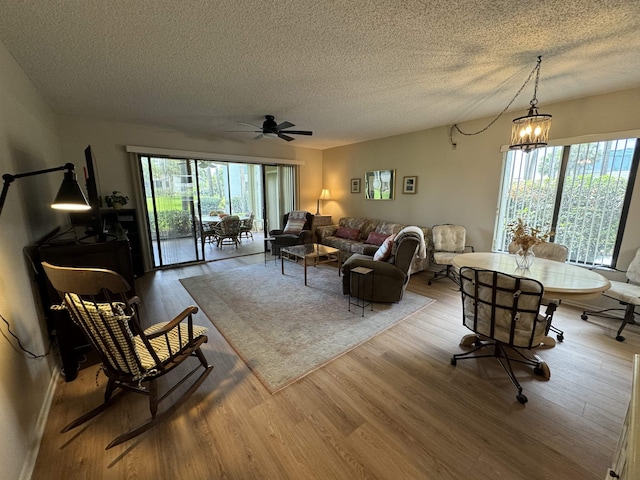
(38, 432)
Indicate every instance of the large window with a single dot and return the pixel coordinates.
(580, 192)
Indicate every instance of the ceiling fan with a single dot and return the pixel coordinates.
(271, 128)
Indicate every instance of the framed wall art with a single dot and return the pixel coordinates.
(355, 185)
(409, 184)
(380, 184)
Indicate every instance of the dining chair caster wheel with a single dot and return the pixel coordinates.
(620, 338)
(560, 337)
(584, 316)
(469, 340)
(454, 362)
(522, 398)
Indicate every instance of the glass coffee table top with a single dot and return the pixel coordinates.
(312, 254)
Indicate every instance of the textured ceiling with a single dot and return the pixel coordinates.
(349, 70)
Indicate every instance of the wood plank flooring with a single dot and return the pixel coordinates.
(393, 408)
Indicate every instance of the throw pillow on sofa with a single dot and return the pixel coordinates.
(294, 226)
(384, 252)
(348, 233)
(376, 238)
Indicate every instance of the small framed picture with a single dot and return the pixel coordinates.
(409, 184)
(355, 185)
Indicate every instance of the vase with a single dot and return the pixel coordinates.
(524, 258)
(117, 206)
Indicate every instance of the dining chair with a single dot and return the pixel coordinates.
(626, 293)
(550, 251)
(503, 311)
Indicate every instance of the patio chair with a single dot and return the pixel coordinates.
(246, 226)
(227, 231)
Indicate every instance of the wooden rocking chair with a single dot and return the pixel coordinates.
(132, 358)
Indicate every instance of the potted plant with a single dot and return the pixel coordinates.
(116, 200)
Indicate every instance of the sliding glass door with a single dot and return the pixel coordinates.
(171, 192)
(180, 192)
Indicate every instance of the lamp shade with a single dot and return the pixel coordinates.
(325, 195)
(70, 196)
(530, 131)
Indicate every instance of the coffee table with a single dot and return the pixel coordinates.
(311, 254)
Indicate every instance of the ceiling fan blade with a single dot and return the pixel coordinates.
(285, 125)
(285, 137)
(250, 125)
(298, 132)
(258, 137)
(243, 131)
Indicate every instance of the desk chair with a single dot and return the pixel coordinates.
(503, 312)
(448, 241)
(133, 359)
(627, 293)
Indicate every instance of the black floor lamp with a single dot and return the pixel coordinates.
(70, 196)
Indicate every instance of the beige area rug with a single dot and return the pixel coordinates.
(283, 330)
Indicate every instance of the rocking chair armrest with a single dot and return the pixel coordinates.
(187, 313)
(135, 300)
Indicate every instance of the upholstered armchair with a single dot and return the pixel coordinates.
(296, 230)
(391, 266)
(448, 241)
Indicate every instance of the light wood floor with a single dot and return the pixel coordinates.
(393, 408)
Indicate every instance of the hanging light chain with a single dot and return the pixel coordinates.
(535, 70)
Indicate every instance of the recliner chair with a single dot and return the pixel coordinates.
(294, 232)
(391, 276)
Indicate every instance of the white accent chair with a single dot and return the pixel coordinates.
(448, 241)
(627, 293)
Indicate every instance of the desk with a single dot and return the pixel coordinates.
(560, 280)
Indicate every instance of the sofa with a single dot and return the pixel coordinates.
(353, 235)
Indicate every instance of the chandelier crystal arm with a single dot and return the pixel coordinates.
(535, 70)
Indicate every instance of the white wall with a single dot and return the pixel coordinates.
(28, 142)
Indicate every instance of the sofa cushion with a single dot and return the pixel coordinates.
(376, 238)
(384, 252)
(348, 233)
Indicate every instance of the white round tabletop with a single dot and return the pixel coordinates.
(565, 280)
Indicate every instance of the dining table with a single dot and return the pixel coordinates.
(560, 280)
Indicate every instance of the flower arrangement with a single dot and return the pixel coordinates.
(116, 198)
(526, 236)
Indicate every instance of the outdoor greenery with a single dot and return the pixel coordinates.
(596, 197)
